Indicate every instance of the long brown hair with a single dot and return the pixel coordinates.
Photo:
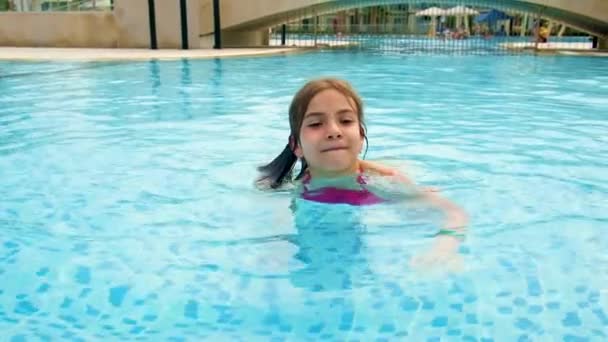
(279, 170)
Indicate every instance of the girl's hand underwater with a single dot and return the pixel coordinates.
(443, 255)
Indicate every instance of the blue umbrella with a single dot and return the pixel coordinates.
(492, 16)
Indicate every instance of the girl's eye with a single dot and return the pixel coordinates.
(314, 124)
(347, 121)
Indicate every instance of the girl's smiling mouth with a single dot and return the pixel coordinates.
(335, 148)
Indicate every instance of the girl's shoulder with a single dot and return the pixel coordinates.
(375, 168)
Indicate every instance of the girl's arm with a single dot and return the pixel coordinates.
(456, 219)
(445, 246)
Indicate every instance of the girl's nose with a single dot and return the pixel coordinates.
(333, 131)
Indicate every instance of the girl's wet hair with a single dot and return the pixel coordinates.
(279, 171)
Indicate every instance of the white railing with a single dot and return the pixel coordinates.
(55, 5)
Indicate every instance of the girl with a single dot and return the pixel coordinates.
(327, 136)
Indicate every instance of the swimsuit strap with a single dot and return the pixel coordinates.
(360, 178)
(306, 180)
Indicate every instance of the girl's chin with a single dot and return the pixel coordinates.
(345, 168)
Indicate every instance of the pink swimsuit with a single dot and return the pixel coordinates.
(337, 195)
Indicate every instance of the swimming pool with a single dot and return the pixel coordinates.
(127, 207)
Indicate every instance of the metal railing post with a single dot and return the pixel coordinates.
(152, 22)
(283, 33)
(217, 27)
(184, 23)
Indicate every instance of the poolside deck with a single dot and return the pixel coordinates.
(560, 48)
(334, 43)
(75, 54)
(549, 46)
(72, 54)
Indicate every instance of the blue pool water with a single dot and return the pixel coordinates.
(128, 212)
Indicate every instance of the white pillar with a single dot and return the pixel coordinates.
(37, 5)
(411, 21)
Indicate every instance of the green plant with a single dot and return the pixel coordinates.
(3, 5)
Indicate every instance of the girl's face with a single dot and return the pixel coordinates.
(330, 136)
